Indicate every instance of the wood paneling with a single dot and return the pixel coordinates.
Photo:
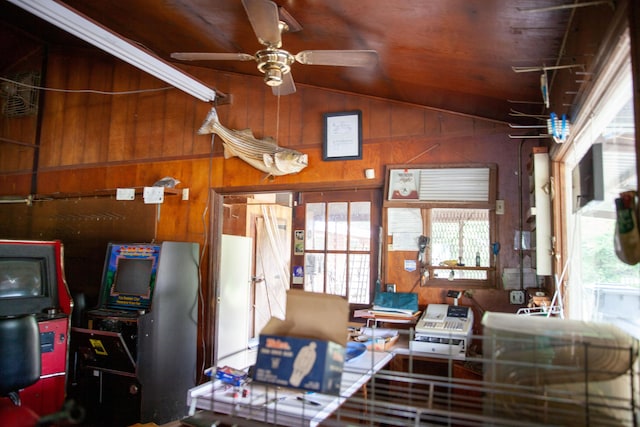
(95, 143)
(449, 54)
(84, 225)
(81, 129)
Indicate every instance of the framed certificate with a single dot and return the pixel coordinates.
(342, 136)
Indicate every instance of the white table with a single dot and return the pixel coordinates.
(283, 406)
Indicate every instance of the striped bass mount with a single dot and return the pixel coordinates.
(262, 154)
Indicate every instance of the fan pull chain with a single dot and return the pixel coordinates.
(278, 118)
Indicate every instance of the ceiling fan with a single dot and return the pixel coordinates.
(274, 62)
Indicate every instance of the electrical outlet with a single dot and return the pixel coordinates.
(499, 207)
(185, 194)
(516, 297)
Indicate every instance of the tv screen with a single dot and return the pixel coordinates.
(21, 277)
(28, 276)
(133, 276)
(129, 276)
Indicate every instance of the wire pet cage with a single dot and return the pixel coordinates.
(534, 371)
(559, 372)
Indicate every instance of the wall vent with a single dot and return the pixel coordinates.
(19, 94)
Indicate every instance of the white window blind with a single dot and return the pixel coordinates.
(454, 184)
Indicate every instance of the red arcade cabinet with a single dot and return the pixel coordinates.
(32, 282)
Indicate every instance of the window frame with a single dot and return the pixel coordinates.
(578, 291)
(394, 258)
(363, 195)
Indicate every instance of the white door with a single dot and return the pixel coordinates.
(233, 313)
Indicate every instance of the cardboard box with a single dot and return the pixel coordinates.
(307, 349)
(304, 363)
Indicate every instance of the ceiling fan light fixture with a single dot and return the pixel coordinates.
(274, 63)
(273, 75)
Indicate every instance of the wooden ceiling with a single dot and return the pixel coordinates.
(455, 55)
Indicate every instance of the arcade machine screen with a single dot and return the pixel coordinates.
(28, 278)
(20, 278)
(129, 276)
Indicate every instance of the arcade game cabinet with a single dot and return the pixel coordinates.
(32, 282)
(136, 358)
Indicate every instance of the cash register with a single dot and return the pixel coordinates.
(443, 330)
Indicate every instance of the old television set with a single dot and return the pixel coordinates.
(587, 178)
(129, 276)
(28, 277)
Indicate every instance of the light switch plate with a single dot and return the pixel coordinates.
(499, 207)
(516, 297)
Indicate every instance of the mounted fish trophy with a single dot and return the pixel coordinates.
(262, 154)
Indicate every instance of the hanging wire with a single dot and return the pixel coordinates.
(99, 92)
(205, 244)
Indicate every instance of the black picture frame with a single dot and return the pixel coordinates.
(342, 136)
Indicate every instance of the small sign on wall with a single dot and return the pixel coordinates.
(125, 193)
(298, 242)
(298, 275)
(153, 194)
(410, 265)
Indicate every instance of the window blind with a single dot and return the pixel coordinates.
(454, 184)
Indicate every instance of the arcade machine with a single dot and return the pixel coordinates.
(32, 282)
(136, 359)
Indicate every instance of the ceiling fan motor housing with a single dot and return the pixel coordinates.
(273, 63)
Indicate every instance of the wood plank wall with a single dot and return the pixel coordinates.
(93, 143)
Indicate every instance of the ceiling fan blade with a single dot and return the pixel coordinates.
(203, 56)
(264, 18)
(287, 87)
(341, 58)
